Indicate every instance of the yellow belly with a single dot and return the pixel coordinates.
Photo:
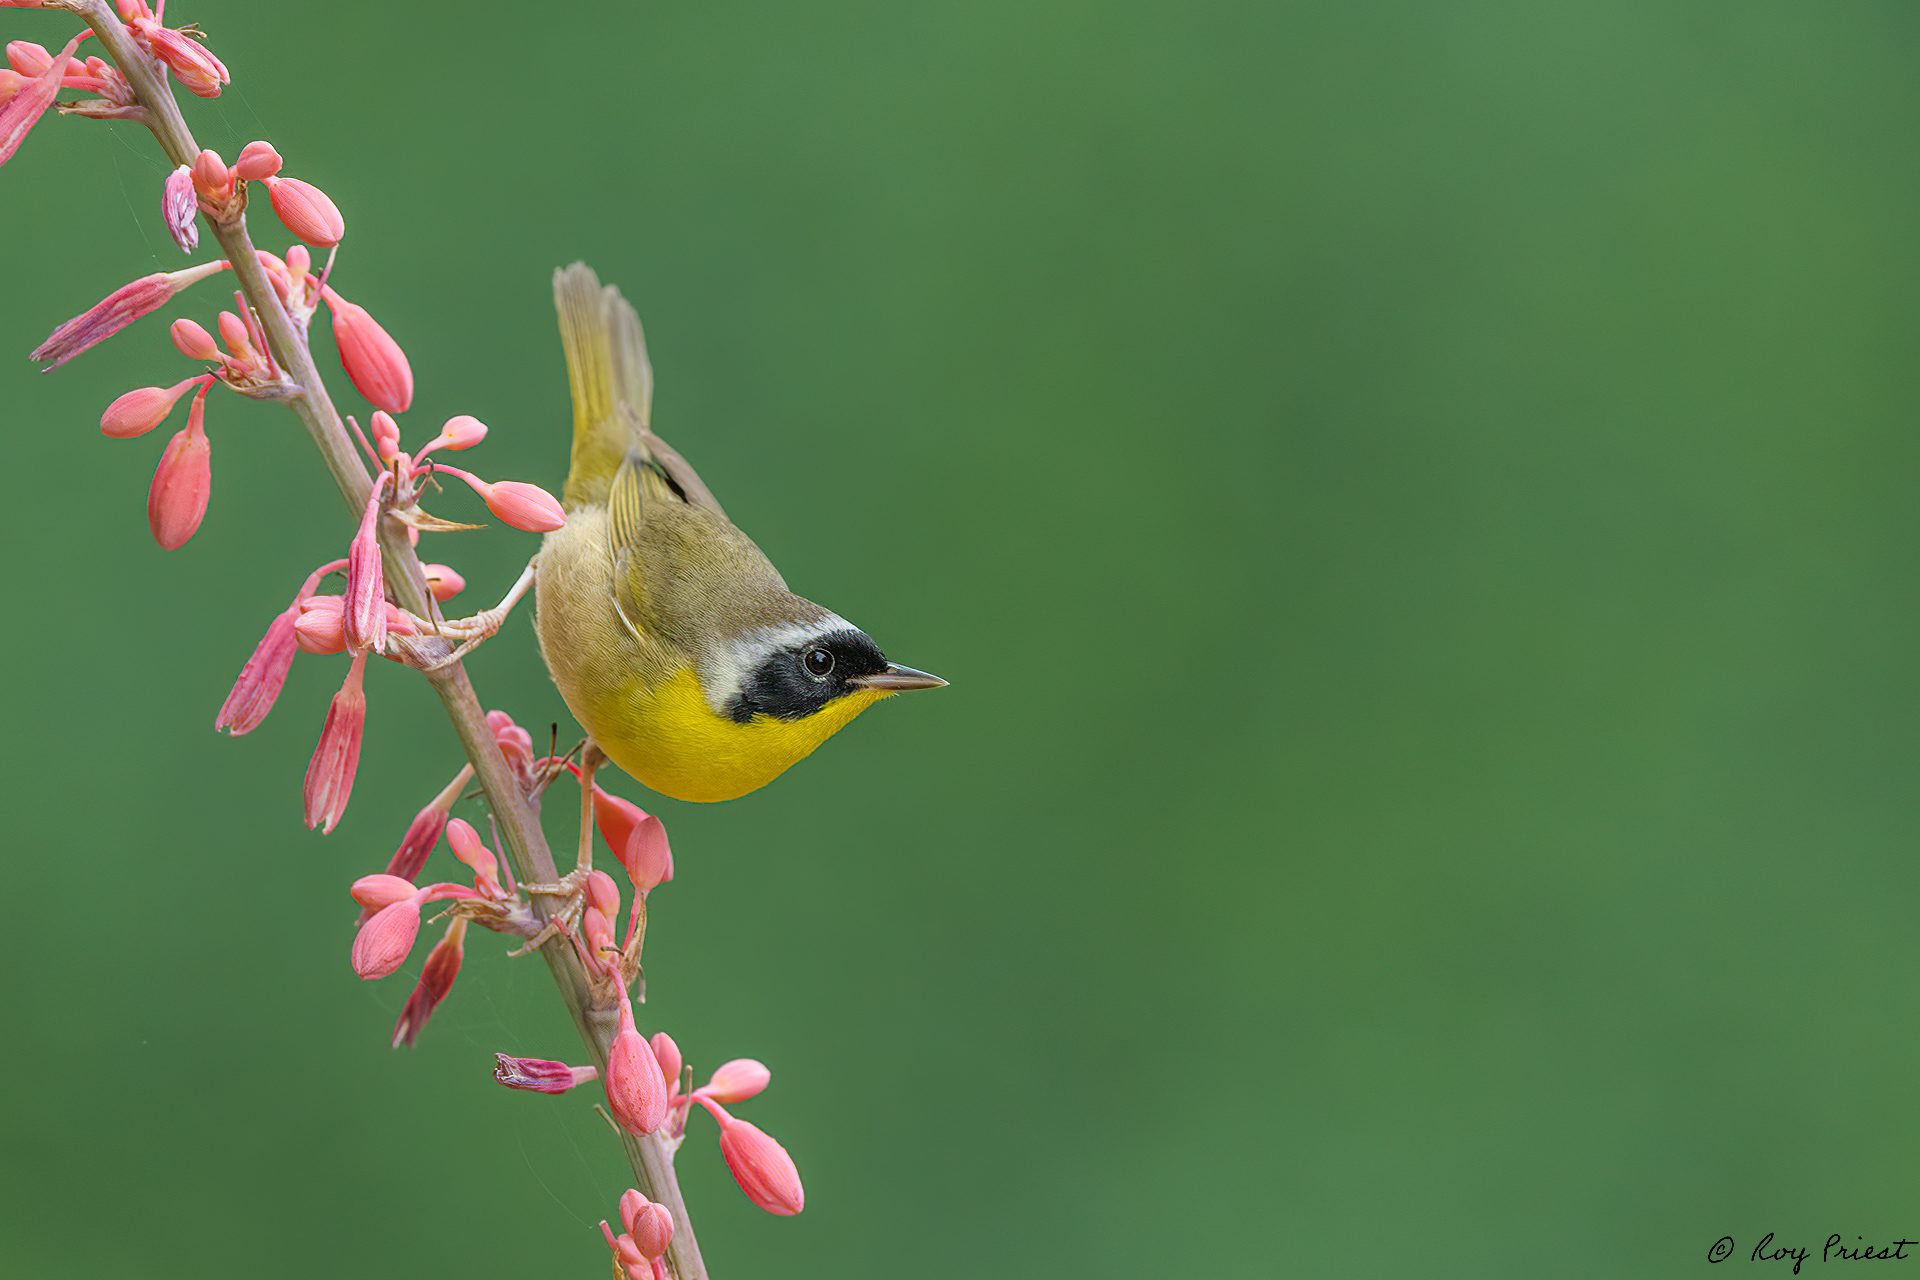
(671, 740)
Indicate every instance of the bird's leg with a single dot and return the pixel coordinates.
(591, 758)
(472, 630)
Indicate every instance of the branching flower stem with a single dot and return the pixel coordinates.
(515, 813)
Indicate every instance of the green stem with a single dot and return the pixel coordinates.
(517, 815)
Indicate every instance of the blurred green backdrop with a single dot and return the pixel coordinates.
(1415, 501)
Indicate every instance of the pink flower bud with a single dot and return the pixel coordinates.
(28, 58)
(384, 941)
(180, 208)
(144, 408)
(602, 894)
(386, 435)
(374, 362)
(760, 1165)
(738, 1080)
(376, 892)
(330, 773)
(321, 626)
(116, 311)
(667, 1053)
(515, 743)
(636, 1091)
(193, 341)
(260, 680)
(540, 1075)
(365, 617)
(466, 846)
(637, 838)
(626, 1254)
(444, 582)
(524, 506)
(460, 432)
(306, 211)
(650, 1224)
(211, 178)
(257, 161)
(234, 333)
(31, 99)
(436, 980)
(182, 483)
(416, 846)
(597, 930)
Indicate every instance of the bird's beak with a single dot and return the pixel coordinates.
(896, 679)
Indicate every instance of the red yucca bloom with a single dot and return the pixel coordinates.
(738, 1080)
(365, 618)
(180, 209)
(636, 1091)
(515, 502)
(540, 1075)
(760, 1165)
(374, 362)
(144, 408)
(118, 310)
(30, 100)
(335, 760)
(261, 679)
(182, 483)
(436, 980)
(306, 211)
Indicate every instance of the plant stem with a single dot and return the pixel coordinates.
(517, 815)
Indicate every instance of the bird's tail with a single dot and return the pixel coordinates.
(611, 377)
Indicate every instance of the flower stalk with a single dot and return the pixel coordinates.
(515, 812)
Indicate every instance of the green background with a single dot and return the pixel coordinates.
(1416, 504)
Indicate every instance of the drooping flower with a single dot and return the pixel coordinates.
(374, 362)
(436, 980)
(377, 891)
(198, 71)
(306, 211)
(738, 1080)
(330, 772)
(117, 310)
(365, 618)
(540, 1075)
(183, 482)
(515, 502)
(382, 944)
(261, 679)
(636, 1091)
(637, 838)
(762, 1167)
(180, 209)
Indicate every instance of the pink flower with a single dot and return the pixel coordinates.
(667, 1053)
(514, 502)
(213, 180)
(382, 944)
(198, 71)
(540, 1075)
(636, 1091)
(650, 1224)
(637, 838)
(738, 1080)
(261, 679)
(330, 773)
(374, 362)
(376, 892)
(760, 1165)
(417, 845)
(516, 745)
(180, 208)
(321, 627)
(191, 340)
(182, 483)
(257, 162)
(436, 979)
(626, 1254)
(444, 582)
(306, 211)
(31, 99)
(116, 311)
(466, 846)
(365, 617)
(144, 408)
(462, 431)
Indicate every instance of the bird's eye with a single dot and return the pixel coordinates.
(819, 661)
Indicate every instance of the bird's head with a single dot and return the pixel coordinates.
(800, 670)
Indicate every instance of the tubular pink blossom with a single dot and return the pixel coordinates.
(386, 435)
(192, 340)
(211, 178)
(330, 773)
(636, 1091)
(383, 942)
(463, 431)
(365, 617)
(377, 891)
(515, 743)
(306, 211)
(417, 845)
(198, 70)
(626, 1254)
(31, 100)
(515, 502)
(257, 161)
(144, 408)
(540, 1075)
(183, 482)
(374, 362)
(320, 628)
(667, 1053)
(738, 1080)
(466, 846)
(637, 838)
(436, 980)
(261, 679)
(759, 1164)
(649, 1224)
(180, 209)
(116, 311)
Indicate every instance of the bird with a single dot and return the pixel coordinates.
(671, 637)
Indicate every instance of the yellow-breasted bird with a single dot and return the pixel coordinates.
(672, 638)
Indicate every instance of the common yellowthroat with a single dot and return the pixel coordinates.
(674, 641)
